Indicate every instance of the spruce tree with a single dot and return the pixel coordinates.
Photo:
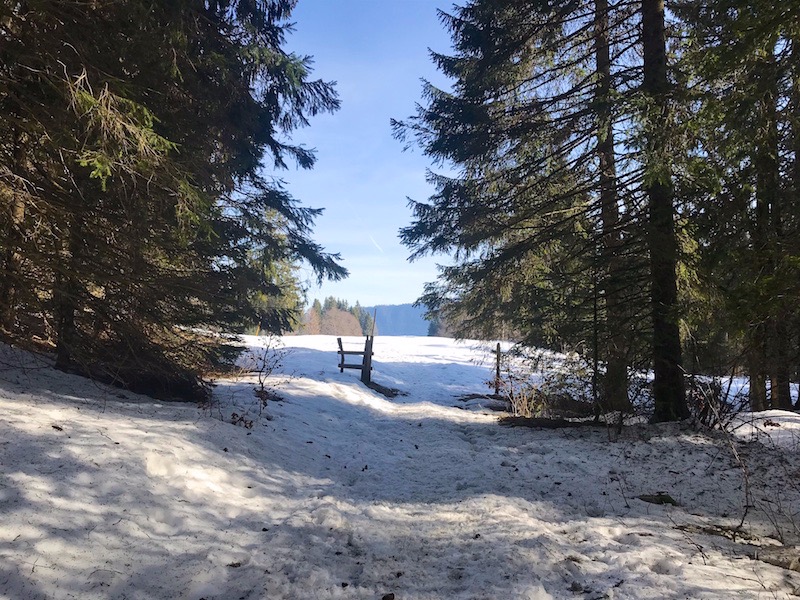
(132, 156)
(744, 200)
(668, 383)
(535, 213)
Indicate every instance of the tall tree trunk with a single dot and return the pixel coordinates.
(12, 259)
(615, 382)
(756, 370)
(65, 296)
(759, 330)
(780, 384)
(668, 386)
(11, 264)
(794, 202)
(781, 209)
(768, 234)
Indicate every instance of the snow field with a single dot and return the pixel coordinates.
(338, 492)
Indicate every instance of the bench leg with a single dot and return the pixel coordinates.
(366, 366)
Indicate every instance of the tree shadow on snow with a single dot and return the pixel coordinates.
(366, 498)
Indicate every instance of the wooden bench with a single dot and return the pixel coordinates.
(366, 359)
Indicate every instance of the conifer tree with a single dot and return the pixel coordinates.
(668, 384)
(134, 201)
(534, 215)
(744, 200)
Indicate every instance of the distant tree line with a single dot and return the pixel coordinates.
(138, 208)
(623, 181)
(336, 317)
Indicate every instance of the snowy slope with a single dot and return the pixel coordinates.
(338, 492)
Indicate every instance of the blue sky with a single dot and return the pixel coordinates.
(377, 52)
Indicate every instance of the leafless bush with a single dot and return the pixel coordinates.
(234, 403)
(712, 402)
(264, 361)
(767, 461)
(541, 383)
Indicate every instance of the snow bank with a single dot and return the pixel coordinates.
(338, 492)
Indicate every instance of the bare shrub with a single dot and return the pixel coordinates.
(264, 361)
(541, 383)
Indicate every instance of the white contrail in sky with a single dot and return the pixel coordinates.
(372, 239)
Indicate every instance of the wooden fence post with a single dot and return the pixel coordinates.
(497, 372)
(366, 366)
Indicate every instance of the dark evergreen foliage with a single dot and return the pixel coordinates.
(742, 192)
(621, 183)
(137, 214)
(544, 211)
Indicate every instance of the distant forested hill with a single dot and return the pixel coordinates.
(400, 319)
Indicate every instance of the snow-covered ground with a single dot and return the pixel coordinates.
(339, 492)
